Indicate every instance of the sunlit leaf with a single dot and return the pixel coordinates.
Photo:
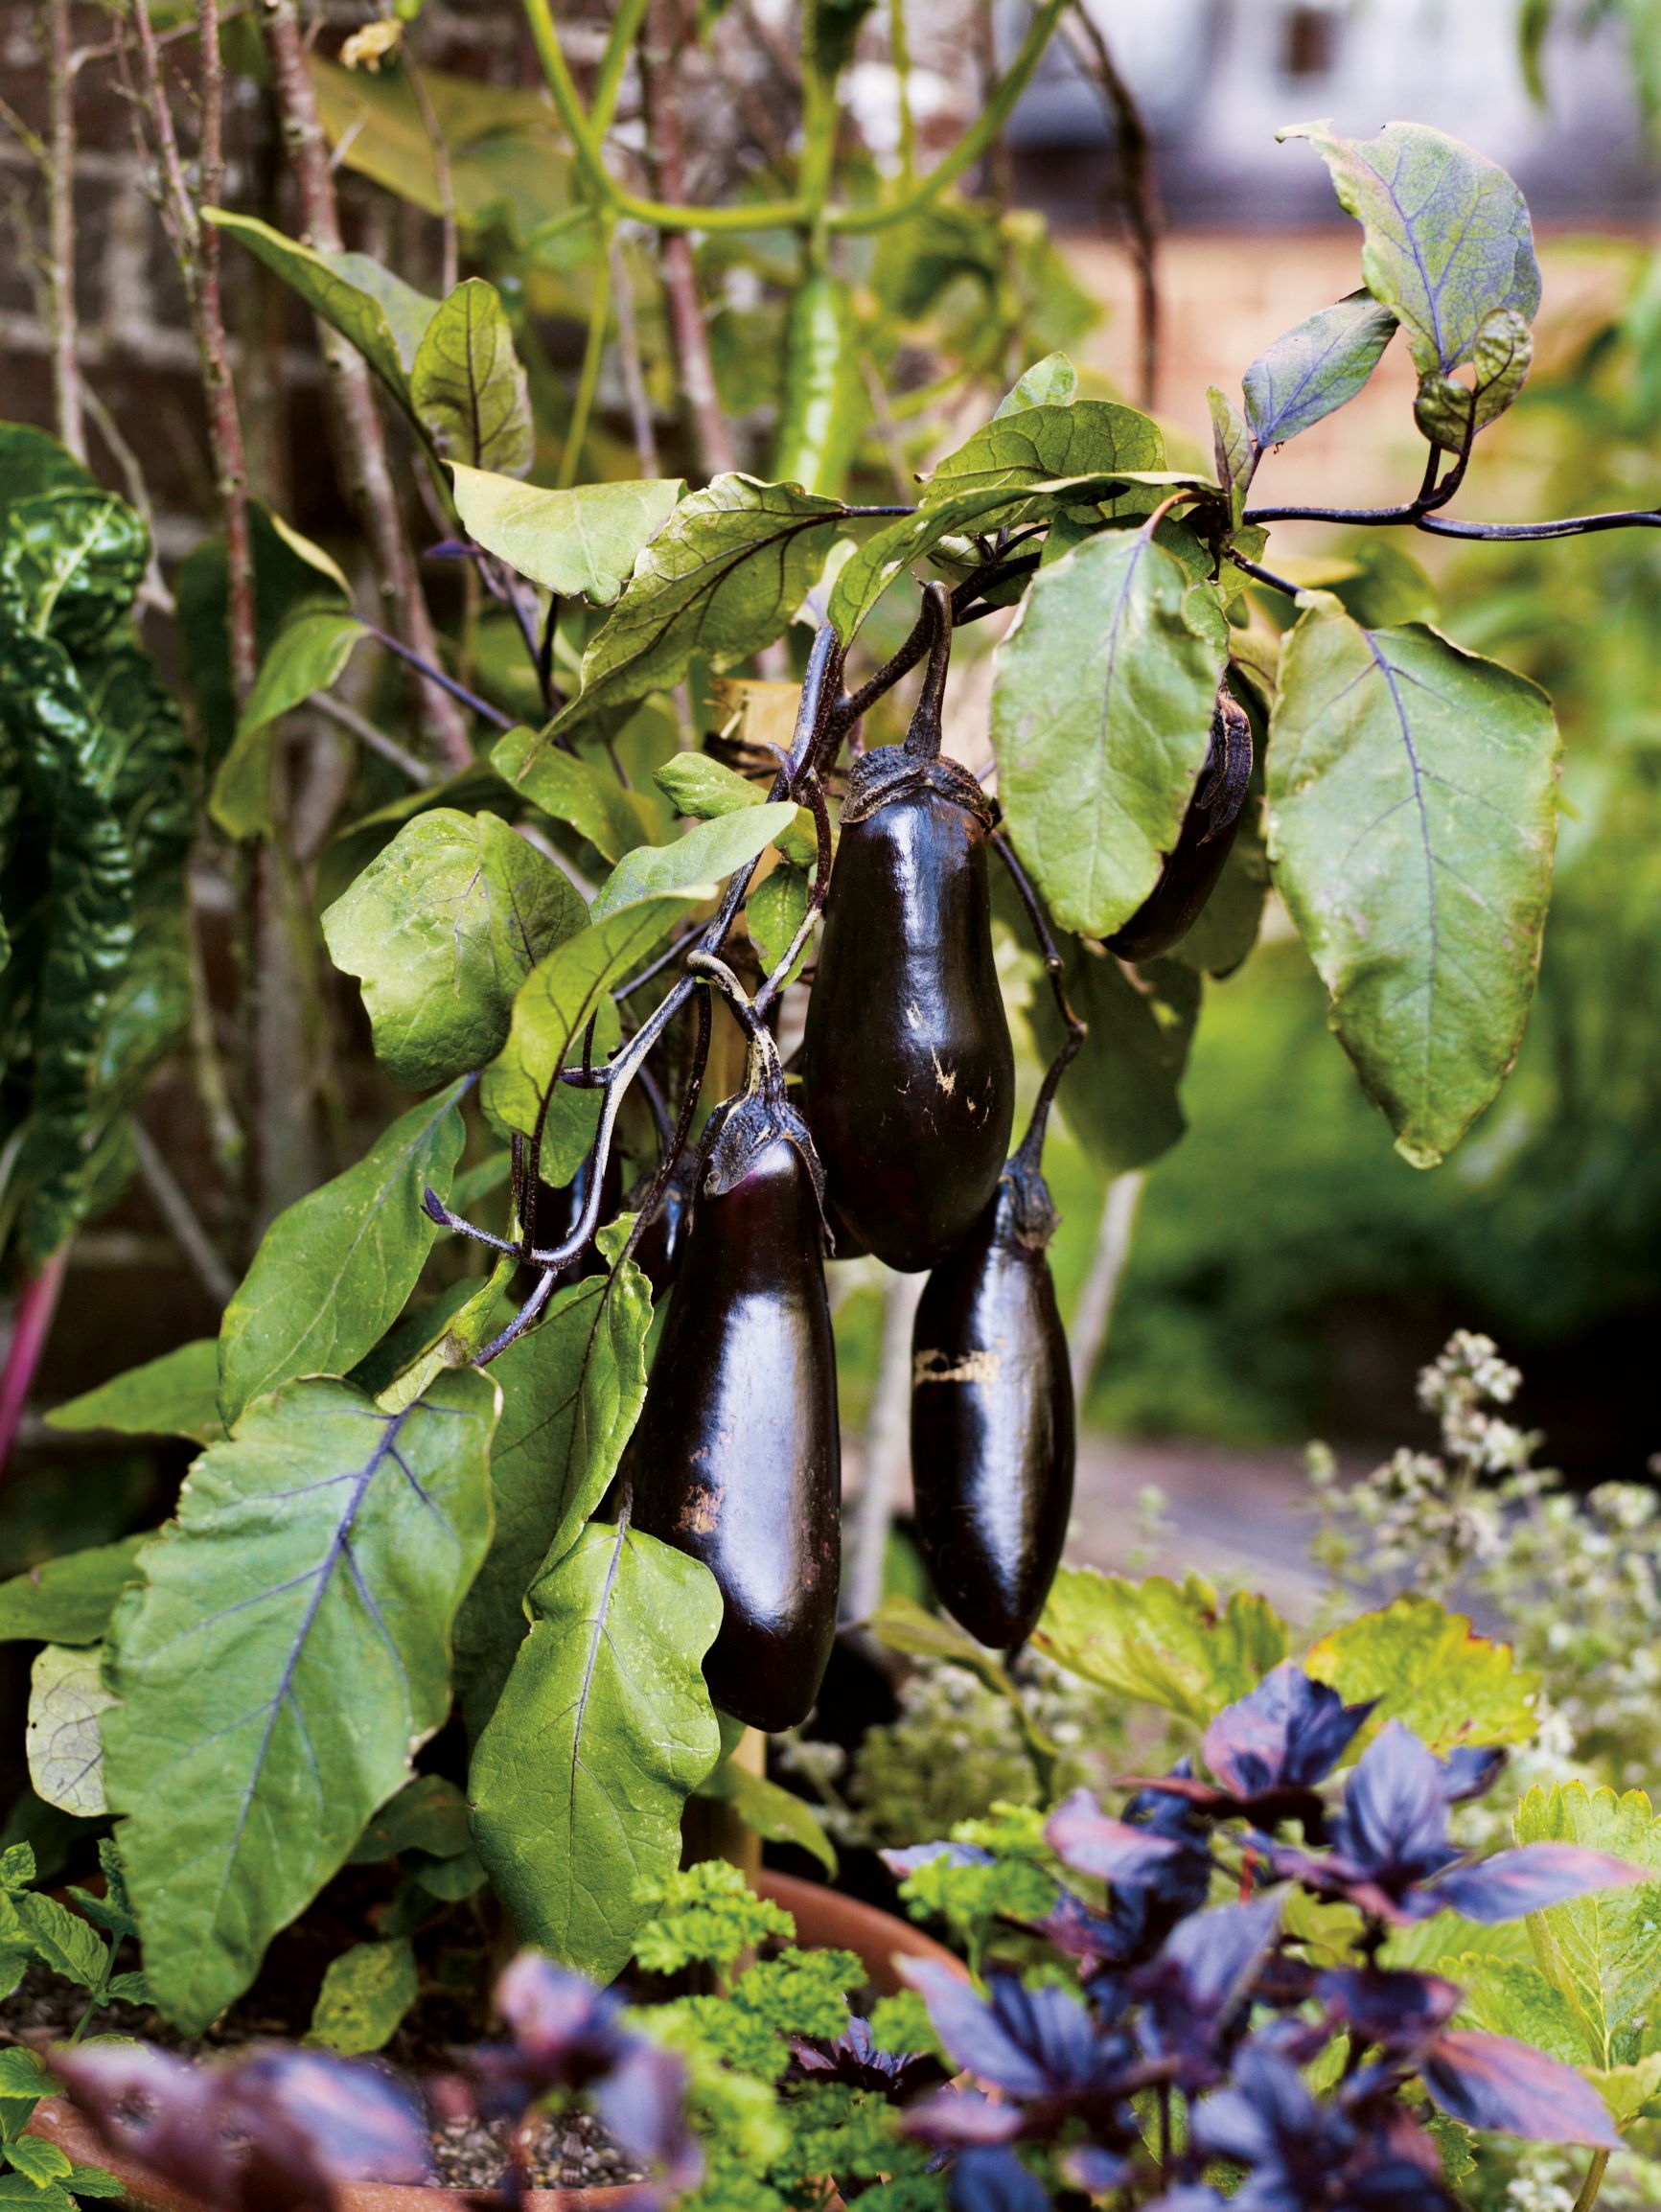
(309, 654)
(1429, 1668)
(581, 543)
(1174, 1644)
(467, 386)
(1316, 368)
(585, 793)
(1600, 1952)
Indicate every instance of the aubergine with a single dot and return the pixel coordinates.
(992, 1418)
(906, 1063)
(1202, 845)
(737, 1459)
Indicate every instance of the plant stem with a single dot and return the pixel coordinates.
(886, 1444)
(31, 1326)
(1093, 1315)
(55, 29)
(900, 54)
(436, 675)
(1593, 2183)
(593, 355)
(1136, 191)
(180, 1217)
(358, 726)
(361, 436)
(634, 375)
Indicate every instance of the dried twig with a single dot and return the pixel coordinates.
(1136, 189)
(54, 42)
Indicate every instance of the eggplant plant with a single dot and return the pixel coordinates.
(481, 1475)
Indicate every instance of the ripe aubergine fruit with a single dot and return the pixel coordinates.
(992, 1424)
(908, 1067)
(1204, 842)
(736, 1458)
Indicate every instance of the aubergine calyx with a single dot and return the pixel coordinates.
(1204, 842)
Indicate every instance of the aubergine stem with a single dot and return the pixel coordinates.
(813, 791)
(670, 1157)
(1031, 1150)
(925, 732)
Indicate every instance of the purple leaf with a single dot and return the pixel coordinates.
(1070, 1925)
(1470, 1771)
(1394, 1823)
(1287, 1733)
(1196, 1991)
(1029, 2042)
(996, 2182)
(355, 2122)
(643, 2102)
(564, 2030)
(1085, 1837)
(856, 2059)
(1495, 2081)
(154, 2108)
(1530, 1878)
(1093, 2169)
(1400, 2012)
(954, 2119)
(1269, 2122)
(901, 1863)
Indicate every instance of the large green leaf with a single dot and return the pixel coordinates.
(332, 1271)
(1120, 1096)
(288, 1651)
(1038, 444)
(1427, 1667)
(467, 386)
(693, 865)
(1602, 1952)
(581, 543)
(1102, 719)
(775, 1814)
(441, 928)
(571, 1393)
(583, 793)
(604, 1728)
(67, 1599)
(334, 291)
(175, 1396)
(1314, 369)
(562, 993)
(1446, 235)
(1412, 812)
(309, 654)
(1174, 1644)
(1052, 383)
(722, 578)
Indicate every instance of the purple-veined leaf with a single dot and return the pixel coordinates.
(1314, 369)
(1532, 1878)
(1289, 1731)
(1393, 1821)
(1092, 1841)
(1195, 1990)
(1495, 2081)
(1027, 2042)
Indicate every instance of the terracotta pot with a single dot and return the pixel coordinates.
(824, 1921)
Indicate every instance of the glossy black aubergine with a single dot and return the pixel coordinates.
(908, 1071)
(736, 1460)
(992, 1418)
(1204, 842)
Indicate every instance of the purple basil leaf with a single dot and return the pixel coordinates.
(156, 2109)
(1093, 2169)
(563, 2028)
(1495, 2081)
(1289, 1732)
(901, 1863)
(1470, 1771)
(1530, 1878)
(1389, 2184)
(1070, 1925)
(1189, 2196)
(954, 2119)
(353, 2119)
(996, 2182)
(1027, 2042)
(1079, 1832)
(1269, 2122)
(855, 2058)
(643, 2104)
(1399, 2011)
(1201, 1981)
(1393, 1822)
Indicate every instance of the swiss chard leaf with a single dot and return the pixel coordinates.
(603, 1730)
(441, 928)
(1412, 811)
(288, 1649)
(333, 1271)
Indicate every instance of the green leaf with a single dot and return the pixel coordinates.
(603, 1729)
(902, 1624)
(307, 654)
(70, 564)
(1043, 443)
(333, 286)
(1229, 922)
(1631, 2092)
(38, 2161)
(775, 912)
(701, 786)
(365, 1994)
(22, 2074)
(589, 798)
(333, 1271)
(62, 1939)
(1052, 383)
(562, 993)
(1412, 813)
(409, 313)
(1512, 1997)
(1427, 1667)
(581, 543)
(1316, 368)
(776, 1815)
(31, 462)
(1602, 1952)
(1174, 1644)
(696, 864)
(175, 1396)
(722, 578)
(1232, 449)
(1446, 236)
(1121, 1097)
(288, 1652)
(441, 928)
(467, 386)
(1500, 359)
(572, 1393)
(68, 1600)
(429, 1814)
(1102, 719)
(66, 1694)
